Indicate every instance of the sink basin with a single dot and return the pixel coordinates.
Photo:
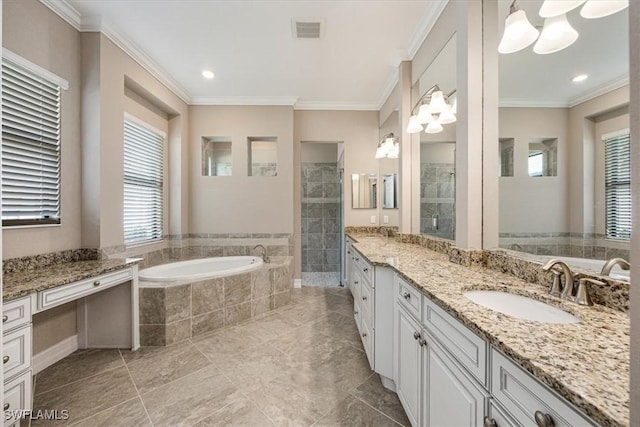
(520, 307)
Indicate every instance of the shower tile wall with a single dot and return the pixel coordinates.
(320, 217)
(437, 198)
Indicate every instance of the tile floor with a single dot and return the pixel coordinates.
(300, 365)
(326, 279)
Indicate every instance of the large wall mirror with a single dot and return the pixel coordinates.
(388, 167)
(564, 149)
(437, 150)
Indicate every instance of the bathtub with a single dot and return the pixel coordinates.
(200, 269)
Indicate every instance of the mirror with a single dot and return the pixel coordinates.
(557, 196)
(437, 152)
(216, 156)
(364, 190)
(388, 168)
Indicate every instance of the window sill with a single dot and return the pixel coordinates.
(20, 227)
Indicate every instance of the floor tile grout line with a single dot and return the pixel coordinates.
(78, 380)
(371, 406)
(146, 411)
(104, 410)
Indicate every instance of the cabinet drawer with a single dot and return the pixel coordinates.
(523, 395)
(468, 348)
(367, 341)
(16, 351)
(500, 416)
(362, 266)
(356, 286)
(357, 315)
(366, 302)
(16, 313)
(17, 395)
(410, 298)
(56, 296)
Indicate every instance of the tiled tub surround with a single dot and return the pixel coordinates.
(587, 363)
(594, 246)
(189, 246)
(174, 312)
(320, 217)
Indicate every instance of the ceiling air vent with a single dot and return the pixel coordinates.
(306, 28)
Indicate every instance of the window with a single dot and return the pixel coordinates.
(143, 183)
(617, 176)
(30, 143)
(535, 163)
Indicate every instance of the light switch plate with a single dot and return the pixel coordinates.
(385, 219)
(373, 219)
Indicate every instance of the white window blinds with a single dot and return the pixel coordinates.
(143, 184)
(618, 186)
(30, 147)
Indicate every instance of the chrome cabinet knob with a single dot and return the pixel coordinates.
(416, 335)
(357, 259)
(489, 422)
(5, 318)
(96, 283)
(5, 359)
(364, 335)
(406, 295)
(364, 298)
(355, 282)
(543, 420)
(6, 406)
(422, 342)
(355, 312)
(365, 270)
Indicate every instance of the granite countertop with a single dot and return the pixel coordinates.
(587, 362)
(24, 282)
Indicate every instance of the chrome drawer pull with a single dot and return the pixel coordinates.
(365, 270)
(355, 282)
(357, 259)
(422, 342)
(543, 420)
(355, 312)
(364, 298)
(416, 335)
(5, 359)
(490, 422)
(5, 318)
(406, 295)
(96, 283)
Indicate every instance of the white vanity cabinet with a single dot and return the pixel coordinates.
(16, 356)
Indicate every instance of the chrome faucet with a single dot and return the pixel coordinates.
(606, 269)
(567, 290)
(265, 257)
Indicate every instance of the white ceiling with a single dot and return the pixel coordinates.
(250, 47)
(601, 51)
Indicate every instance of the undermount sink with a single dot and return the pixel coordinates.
(520, 307)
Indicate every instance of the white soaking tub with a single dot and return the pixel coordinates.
(200, 269)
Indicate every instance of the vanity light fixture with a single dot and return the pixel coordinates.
(601, 8)
(551, 8)
(580, 78)
(434, 109)
(556, 35)
(518, 31)
(388, 146)
(208, 74)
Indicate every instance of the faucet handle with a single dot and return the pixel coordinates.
(583, 297)
(556, 285)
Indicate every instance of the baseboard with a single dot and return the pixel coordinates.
(297, 283)
(56, 352)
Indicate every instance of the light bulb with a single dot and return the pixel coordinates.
(414, 125)
(601, 8)
(437, 104)
(556, 35)
(518, 33)
(551, 8)
(207, 74)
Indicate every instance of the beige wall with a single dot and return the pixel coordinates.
(319, 152)
(107, 69)
(241, 203)
(54, 325)
(54, 45)
(537, 204)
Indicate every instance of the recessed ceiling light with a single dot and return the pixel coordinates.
(580, 78)
(207, 74)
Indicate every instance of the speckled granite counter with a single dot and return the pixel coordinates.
(24, 282)
(587, 362)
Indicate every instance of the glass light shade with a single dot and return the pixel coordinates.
(424, 114)
(434, 127)
(437, 104)
(518, 33)
(556, 35)
(601, 8)
(380, 153)
(454, 105)
(387, 145)
(414, 125)
(393, 154)
(551, 8)
(447, 116)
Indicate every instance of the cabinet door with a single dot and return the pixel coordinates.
(408, 355)
(451, 397)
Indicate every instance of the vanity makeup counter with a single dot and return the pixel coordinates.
(587, 363)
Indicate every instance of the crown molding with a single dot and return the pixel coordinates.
(65, 11)
(531, 103)
(334, 106)
(425, 26)
(608, 87)
(289, 101)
